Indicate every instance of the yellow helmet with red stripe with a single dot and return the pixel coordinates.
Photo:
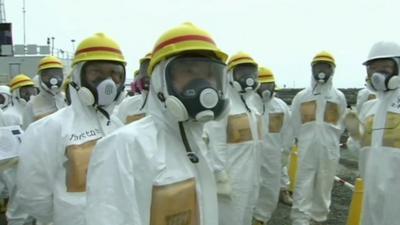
(20, 80)
(265, 75)
(98, 47)
(50, 62)
(240, 58)
(184, 38)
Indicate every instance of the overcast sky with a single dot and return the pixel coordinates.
(283, 35)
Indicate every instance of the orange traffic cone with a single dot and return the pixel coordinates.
(293, 164)
(355, 211)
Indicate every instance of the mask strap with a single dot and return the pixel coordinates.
(46, 89)
(144, 102)
(263, 108)
(313, 89)
(105, 113)
(74, 85)
(190, 154)
(245, 104)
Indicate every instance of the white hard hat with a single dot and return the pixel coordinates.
(383, 50)
(4, 89)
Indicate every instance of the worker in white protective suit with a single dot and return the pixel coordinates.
(234, 145)
(50, 98)
(134, 108)
(377, 131)
(317, 115)
(52, 170)
(8, 170)
(152, 171)
(277, 139)
(5, 97)
(22, 89)
(363, 96)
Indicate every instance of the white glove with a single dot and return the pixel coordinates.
(223, 184)
(352, 124)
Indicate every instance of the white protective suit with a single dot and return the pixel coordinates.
(363, 146)
(54, 157)
(317, 117)
(141, 174)
(132, 108)
(234, 144)
(42, 105)
(14, 214)
(363, 96)
(2, 122)
(277, 138)
(380, 142)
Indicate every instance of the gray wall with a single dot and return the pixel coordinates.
(13, 65)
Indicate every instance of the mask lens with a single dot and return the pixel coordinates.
(49, 75)
(98, 71)
(182, 71)
(27, 91)
(266, 86)
(242, 72)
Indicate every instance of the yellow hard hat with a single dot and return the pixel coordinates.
(98, 47)
(20, 80)
(265, 75)
(323, 57)
(184, 38)
(240, 58)
(146, 57)
(50, 62)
